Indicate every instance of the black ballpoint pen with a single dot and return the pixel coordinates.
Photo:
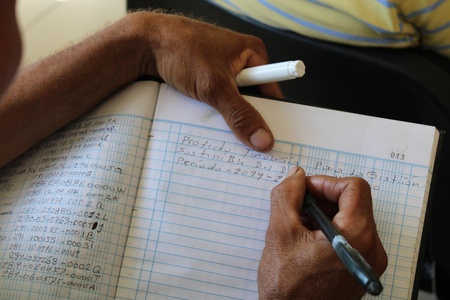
(351, 258)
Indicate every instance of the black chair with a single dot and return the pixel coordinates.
(408, 84)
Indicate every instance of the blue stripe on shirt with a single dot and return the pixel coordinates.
(436, 30)
(387, 3)
(370, 25)
(425, 10)
(234, 6)
(331, 32)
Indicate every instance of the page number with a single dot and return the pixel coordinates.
(397, 155)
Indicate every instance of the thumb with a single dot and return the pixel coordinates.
(287, 201)
(245, 121)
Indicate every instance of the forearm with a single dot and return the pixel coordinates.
(49, 94)
(198, 59)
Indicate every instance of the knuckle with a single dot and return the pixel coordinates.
(275, 192)
(360, 183)
(242, 117)
(280, 191)
(361, 188)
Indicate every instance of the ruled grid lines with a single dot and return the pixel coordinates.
(191, 221)
(40, 188)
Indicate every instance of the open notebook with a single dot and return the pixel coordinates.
(117, 206)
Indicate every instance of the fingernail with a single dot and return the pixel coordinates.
(292, 171)
(261, 139)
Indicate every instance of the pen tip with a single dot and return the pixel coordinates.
(374, 288)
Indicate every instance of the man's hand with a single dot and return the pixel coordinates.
(197, 58)
(298, 262)
(202, 61)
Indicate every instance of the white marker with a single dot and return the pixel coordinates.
(270, 73)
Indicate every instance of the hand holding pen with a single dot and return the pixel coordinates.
(298, 261)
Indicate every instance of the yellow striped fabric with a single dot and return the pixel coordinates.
(380, 23)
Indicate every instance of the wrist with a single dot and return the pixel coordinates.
(125, 50)
(126, 44)
(143, 34)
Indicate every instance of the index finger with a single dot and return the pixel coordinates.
(256, 55)
(352, 194)
(286, 201)
(355, 205)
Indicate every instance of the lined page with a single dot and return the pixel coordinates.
(203, 205)
(65, 205)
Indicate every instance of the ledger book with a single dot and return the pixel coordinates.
(150, 196)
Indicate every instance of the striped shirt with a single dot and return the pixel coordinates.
(380, 23)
